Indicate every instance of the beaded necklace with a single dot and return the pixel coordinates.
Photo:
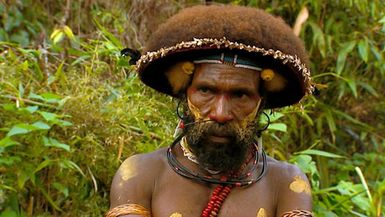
(225, 184)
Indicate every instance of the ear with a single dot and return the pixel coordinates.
(179, 76)
(273, 81)
(133, 54)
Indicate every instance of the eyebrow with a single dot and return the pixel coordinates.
(244, 89)
(210, 85)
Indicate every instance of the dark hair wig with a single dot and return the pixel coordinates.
(248, 31)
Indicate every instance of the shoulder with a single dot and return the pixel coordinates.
(288, 176)
(294, 192)
(135, 178)
(284, 170)
(141, 166)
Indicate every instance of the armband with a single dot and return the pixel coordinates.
(127, 209)
(298, 213)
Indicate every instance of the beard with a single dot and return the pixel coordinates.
(223, 157)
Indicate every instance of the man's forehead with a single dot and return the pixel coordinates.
(215, 74)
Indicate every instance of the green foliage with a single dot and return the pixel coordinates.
(71, 109)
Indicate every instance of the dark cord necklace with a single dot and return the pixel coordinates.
(235, 181)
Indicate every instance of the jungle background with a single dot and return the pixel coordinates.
(72, 108)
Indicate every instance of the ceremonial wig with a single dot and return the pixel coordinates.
(251, 33)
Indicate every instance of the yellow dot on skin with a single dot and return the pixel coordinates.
(261, 212)
(299, 185)
(127, 171)
(267, 74)
(176, 214)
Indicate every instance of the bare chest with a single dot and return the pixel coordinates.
(176, 196)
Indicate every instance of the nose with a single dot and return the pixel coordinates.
(221, 111)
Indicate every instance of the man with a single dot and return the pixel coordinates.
(225, 64)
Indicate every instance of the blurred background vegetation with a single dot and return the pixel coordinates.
(72, 109)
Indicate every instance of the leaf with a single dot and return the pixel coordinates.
(351, 119)
(61, 188)
(363, 49)
(320, 153)
(9, 213)
(21, 129)
(58, 37)
(9, 106)
(7, 142)
(9, 161)
(275, 116)
(7, 188)
(31, 109)
(50, 97)
(42, 165)
(72, 165)
(67, 30)
(330, 121)
(278, 126)
(108, 35)
(305, 163)
(35, 96)
(364, 183)
(48, 116)
(369, 88)
(341, 59)
(352, 86)
(21, 90)
(17, 130)
(51, 142)
(318, 38)
(59, 75)
(51, 79)
(54, 33)
(22, 178)
(41, 125)
(21, 37)
(63, 123)
(382, 20)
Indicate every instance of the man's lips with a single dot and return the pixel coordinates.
(219, 138)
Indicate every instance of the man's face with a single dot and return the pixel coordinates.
(224, 101)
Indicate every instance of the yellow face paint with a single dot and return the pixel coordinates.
(250, 117)
(127, 170)
(299, 185)
(261, 212)
(198, 116)
(195, 111)
(176, 214)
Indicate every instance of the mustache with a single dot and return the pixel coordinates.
(211, 125)
(197, 122)
(204, 128)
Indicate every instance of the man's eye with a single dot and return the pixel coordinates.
(204, 90)
(240, 94)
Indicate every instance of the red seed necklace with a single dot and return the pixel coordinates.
(217, 198)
